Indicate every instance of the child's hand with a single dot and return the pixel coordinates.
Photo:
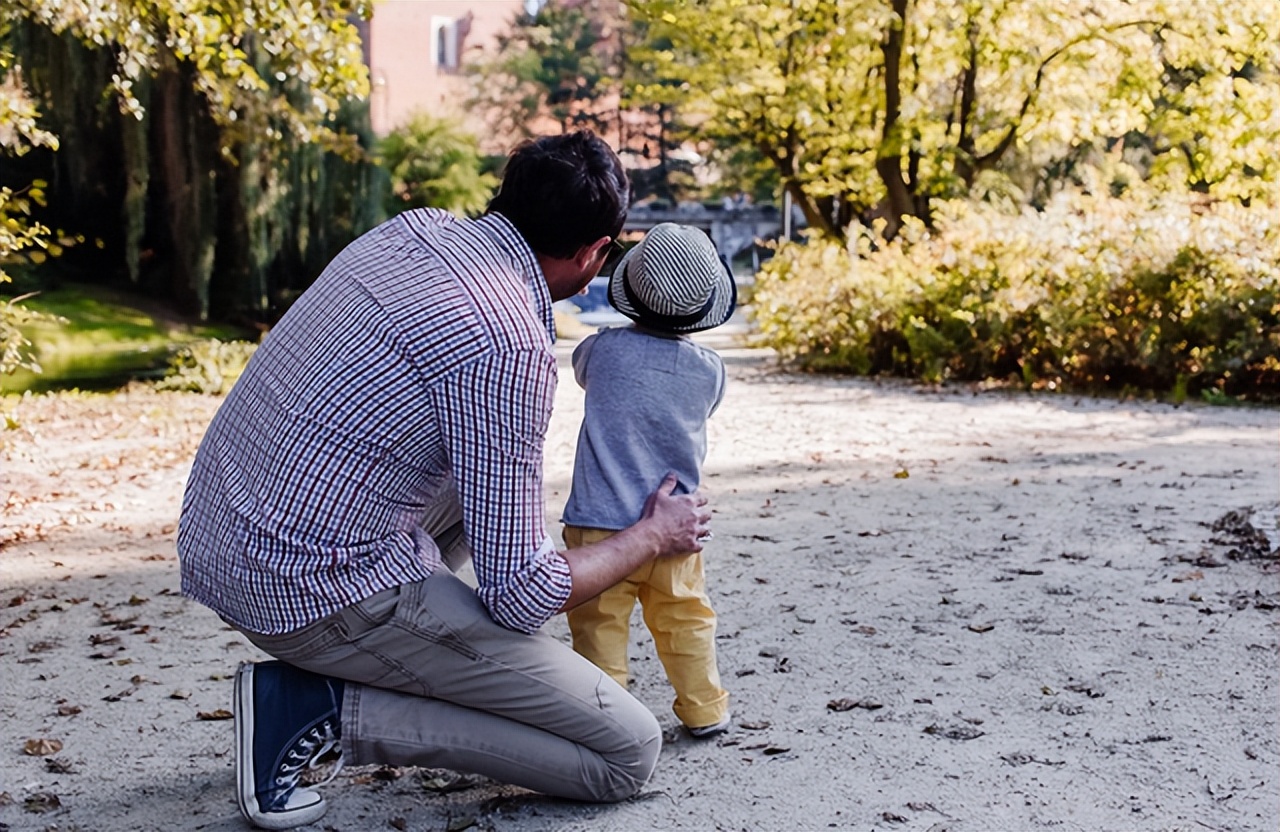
(681, 520)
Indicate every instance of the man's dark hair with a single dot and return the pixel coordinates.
(564, 192)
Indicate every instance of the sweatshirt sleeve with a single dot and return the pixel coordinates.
(581, 354)
(722, 383)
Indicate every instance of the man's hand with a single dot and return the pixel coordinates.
(681, 522)
(671, 524)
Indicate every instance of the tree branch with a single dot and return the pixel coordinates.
(989, 159)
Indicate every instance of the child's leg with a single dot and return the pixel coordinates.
(601, 627)
(679, 616)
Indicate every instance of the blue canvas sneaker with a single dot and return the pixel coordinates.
(286, 720)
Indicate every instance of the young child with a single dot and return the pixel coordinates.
(649, 392)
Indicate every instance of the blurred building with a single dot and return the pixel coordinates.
(416, 49)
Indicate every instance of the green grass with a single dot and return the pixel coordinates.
(106, 339)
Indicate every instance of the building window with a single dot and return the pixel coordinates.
(444, 39)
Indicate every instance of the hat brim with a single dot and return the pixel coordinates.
(724, 298)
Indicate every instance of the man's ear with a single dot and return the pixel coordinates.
(592, 252)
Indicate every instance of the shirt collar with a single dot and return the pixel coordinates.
(502, 232)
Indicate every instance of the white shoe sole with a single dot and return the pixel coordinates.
(304, 806)
(708, 731)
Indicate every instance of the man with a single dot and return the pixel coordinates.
(391, 424)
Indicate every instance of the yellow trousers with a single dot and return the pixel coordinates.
(673, 599)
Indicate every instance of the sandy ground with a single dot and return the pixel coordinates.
(940, 609)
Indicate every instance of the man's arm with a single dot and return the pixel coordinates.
(671, 524)
(493, 416)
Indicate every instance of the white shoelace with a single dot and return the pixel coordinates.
(313, 745)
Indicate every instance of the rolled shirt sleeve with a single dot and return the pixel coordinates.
(493, 414)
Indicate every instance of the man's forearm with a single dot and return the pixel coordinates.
(598, 566)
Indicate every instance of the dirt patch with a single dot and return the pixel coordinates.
(940, 609)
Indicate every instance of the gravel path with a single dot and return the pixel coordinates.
(940, 609)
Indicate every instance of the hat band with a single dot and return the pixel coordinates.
(671, 321)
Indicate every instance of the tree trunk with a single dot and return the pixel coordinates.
(966, 157)
(817, 213)
(184, 136)
(813, 215)
(892, 141)
(137, 179)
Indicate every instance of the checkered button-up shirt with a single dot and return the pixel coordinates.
(421, 355)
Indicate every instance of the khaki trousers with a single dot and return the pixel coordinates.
(673, 597)
(434, 682)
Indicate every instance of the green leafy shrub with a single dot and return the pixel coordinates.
(434, 163)
(93, 338)
(22, 239)
(207, 366)
(16, 349)
(1095, 292)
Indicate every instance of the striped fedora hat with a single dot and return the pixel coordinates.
(674, 280)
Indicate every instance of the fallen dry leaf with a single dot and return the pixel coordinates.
(40, 747)
(1089, 690)
(42, 802)
(55, 766)
(847, 704)
(116, 697)
(446, 781)
(962, 732)
(210, 716)
(1022, 759)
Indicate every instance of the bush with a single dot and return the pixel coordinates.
(1177, 294)
(433, 163)
(207, 366)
